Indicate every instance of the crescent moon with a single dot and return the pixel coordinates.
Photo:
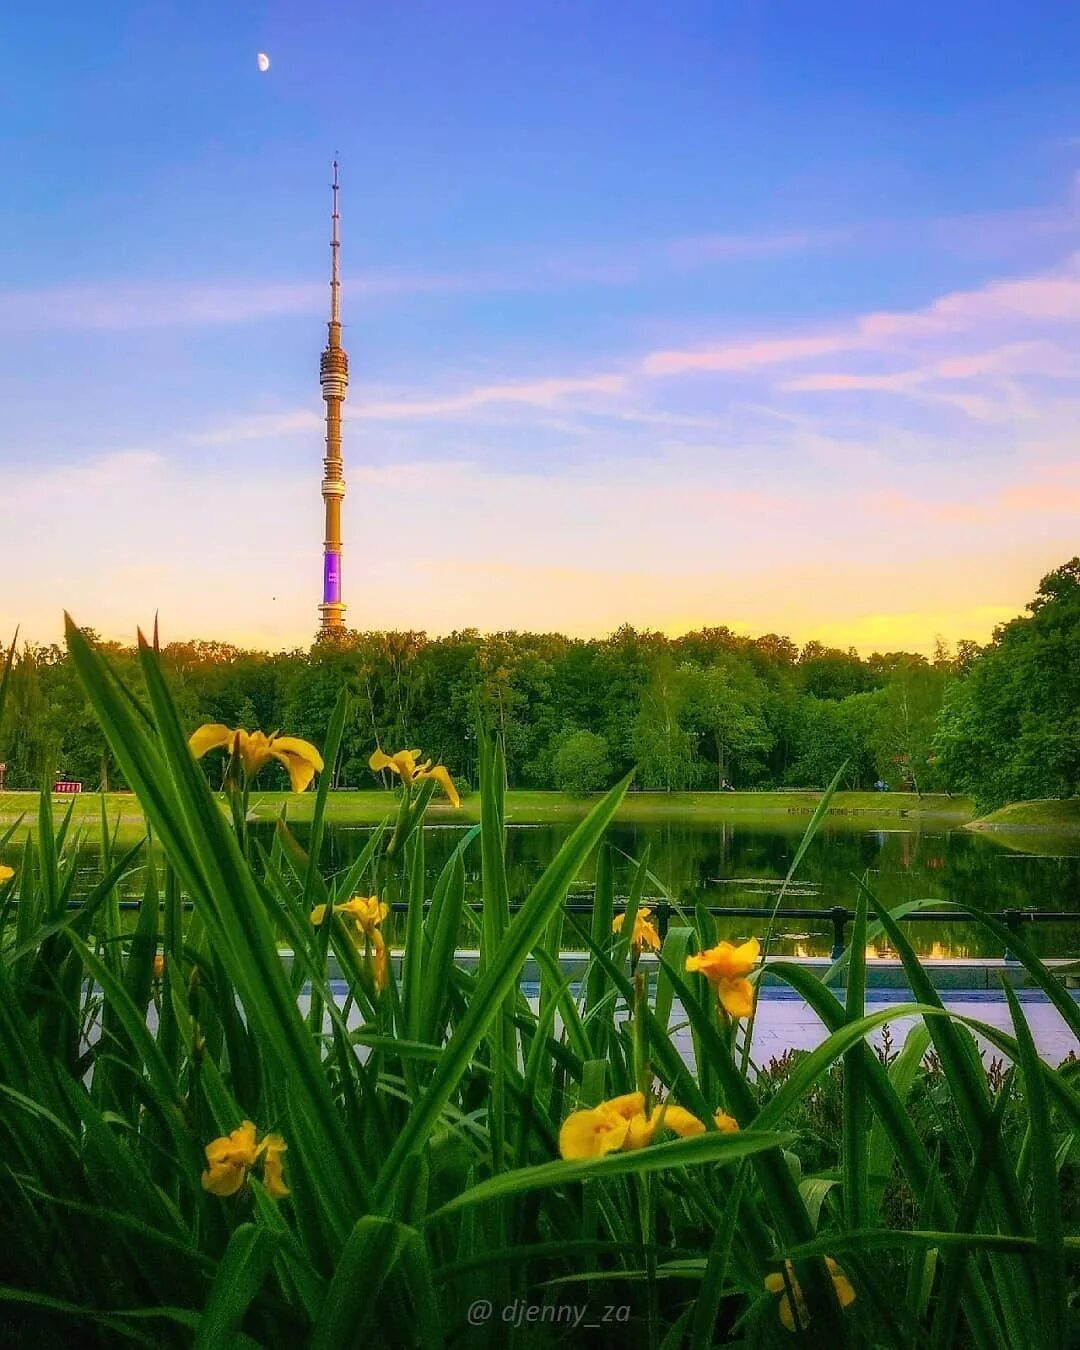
(263, 62)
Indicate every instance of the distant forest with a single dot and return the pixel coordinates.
(1000, 722)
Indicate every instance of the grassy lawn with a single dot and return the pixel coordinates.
(369, 807)
(1048, 814)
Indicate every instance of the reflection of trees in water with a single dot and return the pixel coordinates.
(736, 865)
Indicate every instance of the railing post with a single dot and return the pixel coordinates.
(839, 916)
(1011, 919)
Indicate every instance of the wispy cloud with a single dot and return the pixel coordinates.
(1051, 299)
(35, 489)
(173, 304)
(545, 393)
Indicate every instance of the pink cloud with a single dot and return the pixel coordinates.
(744, 355)
(1048, 299)
(547, 393)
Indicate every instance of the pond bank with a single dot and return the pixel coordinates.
(370, 806)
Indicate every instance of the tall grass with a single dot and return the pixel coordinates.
(428, 1202)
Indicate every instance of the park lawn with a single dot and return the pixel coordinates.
(370, 806)
(1051, 813)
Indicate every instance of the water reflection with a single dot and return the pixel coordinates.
(744, 866)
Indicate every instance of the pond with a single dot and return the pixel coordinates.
(743, 865)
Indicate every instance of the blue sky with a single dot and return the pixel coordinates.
(766, 315)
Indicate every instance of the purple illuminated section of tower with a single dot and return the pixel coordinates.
(331, 578)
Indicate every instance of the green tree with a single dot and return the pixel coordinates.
(831, 731)
(904, 737)
(1010, 726)
(581, 763)
(726, 703)
(665, 747)
(29, 742)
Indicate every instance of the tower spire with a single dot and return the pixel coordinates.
(334, 378)
(335, 250)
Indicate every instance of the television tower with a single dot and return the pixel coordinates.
(334, 378)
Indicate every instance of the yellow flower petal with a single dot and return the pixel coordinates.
(273, 1147)
(380, 760)
(724, 1123)
(645, 935)
(212, 736)
(680, 1121)
(787, 1317)
(441, 775)
(841, 1284)
(300, 758)
(318, 914)
(629, 1105)
(229, 1159)
(592, 1133)
(6, 873)
(725, 961)
(403, 763)
(380, 963)
(641, 1130)
(293, 745)
(254, 751)
(737, 997)
(776, 1283)
(367, 910)
(224, 1178)
(240, 1144)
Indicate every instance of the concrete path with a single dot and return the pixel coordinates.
(784, 1021)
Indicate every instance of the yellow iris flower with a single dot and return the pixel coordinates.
(645, 934)
(776, 1284)
(255, 750)
(367, 912)
(408, 768)
(621, 1123)
(726, 967)
(230, 1159)
(724, 1123)
(6, 873)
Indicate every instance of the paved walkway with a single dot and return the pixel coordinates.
(786, 1022)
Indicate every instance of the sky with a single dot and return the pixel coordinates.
(765, 315)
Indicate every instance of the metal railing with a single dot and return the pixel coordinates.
(838, 916)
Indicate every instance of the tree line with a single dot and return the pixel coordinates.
(700, 711)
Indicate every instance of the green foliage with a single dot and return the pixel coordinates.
(581, 763)
(422, 1119)
(692, 711)
(689, 712)
(1010, 728)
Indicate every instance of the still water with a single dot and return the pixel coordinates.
(743, 865)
